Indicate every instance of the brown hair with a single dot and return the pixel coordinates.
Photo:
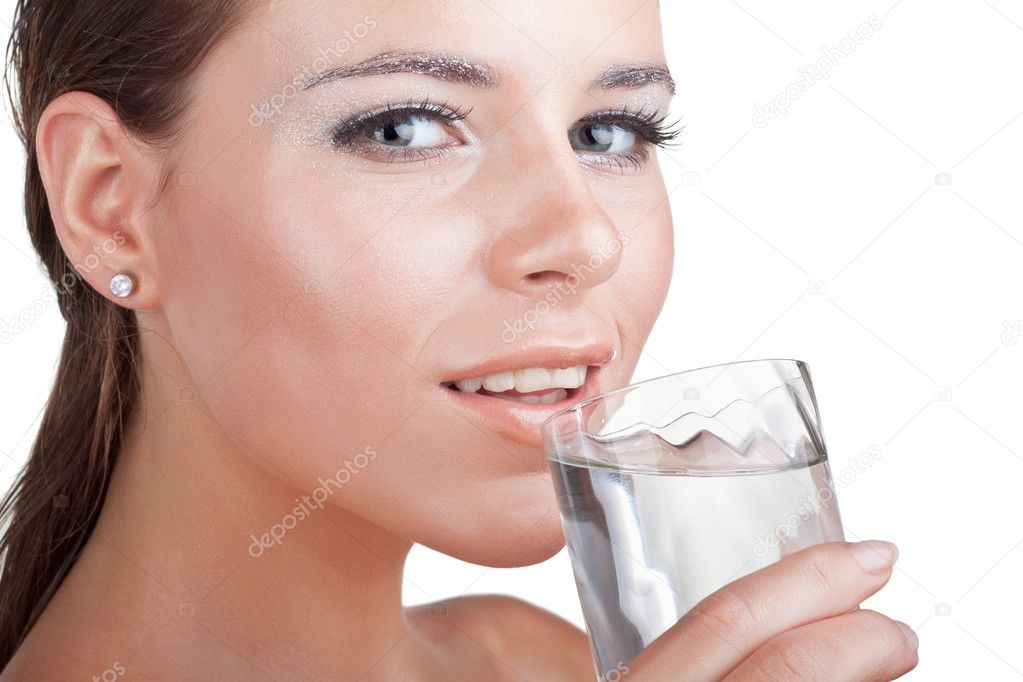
(139, 56)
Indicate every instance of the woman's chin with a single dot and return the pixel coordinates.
(513, 546)
(518, 525)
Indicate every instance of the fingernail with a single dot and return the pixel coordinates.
(912, 641)
(874, 556)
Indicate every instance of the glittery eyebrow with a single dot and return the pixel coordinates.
(630, 76)
(458, 69)
(445, 67)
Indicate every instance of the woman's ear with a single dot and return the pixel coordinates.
(98, 181)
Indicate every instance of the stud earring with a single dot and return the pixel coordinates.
(122, 284)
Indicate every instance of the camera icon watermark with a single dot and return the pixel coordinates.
(817, 287)
(692, 179)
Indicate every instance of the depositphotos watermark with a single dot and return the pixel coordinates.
(112, 673)
(38, 307)
(617, 673)
(811, 505)
(307, 504)
(563, 288)
(808, 506)
(811, 74)
(327, 57)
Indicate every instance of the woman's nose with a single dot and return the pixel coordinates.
(555, 234)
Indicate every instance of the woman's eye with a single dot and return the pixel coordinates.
(602, 137)
(400, 134)
(412, 131)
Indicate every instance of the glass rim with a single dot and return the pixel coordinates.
(563, 412)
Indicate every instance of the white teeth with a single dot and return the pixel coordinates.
(573, 377)
(528, 380)
(505, 381)
(532, 379)
(469, 385)
(553, 396)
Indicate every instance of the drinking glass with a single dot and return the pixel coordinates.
(671, 488)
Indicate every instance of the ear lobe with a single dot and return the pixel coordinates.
(90, 168)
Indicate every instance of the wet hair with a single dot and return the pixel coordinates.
(140, 56)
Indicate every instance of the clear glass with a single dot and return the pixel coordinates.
(673, 487)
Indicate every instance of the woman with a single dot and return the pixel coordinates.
(320, 261)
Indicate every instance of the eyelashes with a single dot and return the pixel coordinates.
(396, 132)
(648, 125)
(653, 130)
(394, 114)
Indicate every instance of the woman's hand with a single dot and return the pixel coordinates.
(797, 619)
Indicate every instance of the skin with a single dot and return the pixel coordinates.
(301, 306)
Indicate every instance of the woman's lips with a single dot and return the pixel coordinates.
(517, 415)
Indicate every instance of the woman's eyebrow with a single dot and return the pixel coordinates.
(445, 67)
(630, 76)
(457, 69)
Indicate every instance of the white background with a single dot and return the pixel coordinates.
(874, 231)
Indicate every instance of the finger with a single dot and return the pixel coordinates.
(861, 646)
(723, 629)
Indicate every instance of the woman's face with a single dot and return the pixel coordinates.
(372, 201)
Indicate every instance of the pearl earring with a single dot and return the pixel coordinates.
(122, 284)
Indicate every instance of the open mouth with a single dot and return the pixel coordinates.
(512, 394)
(532, 385)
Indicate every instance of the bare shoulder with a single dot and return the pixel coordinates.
(538, 644)
(520, 622)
